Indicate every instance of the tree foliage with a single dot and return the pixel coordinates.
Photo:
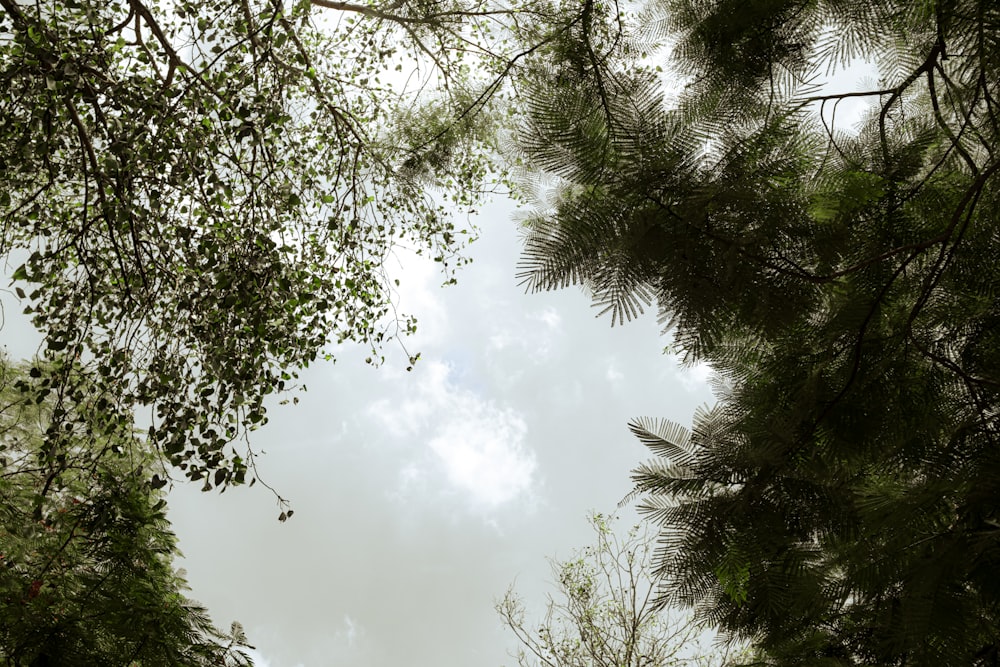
(198, 196)
(839, 505)
(603, 612)
(86, 571)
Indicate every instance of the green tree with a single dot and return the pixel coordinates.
(603, 613)
(86, 572)
(198, 196)
(839, 505)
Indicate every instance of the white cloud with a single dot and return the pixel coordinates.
(613, 374)
(347, 635)
(694, 377)
(549, 317)
(352, 630)
(475, 444)
(525, 338)
(502, 340)
(483, 454)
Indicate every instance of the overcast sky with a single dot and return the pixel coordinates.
(420, 497)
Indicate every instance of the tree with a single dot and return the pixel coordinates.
(198, 196)
(86, 575)
(603, 614)
(839, 504)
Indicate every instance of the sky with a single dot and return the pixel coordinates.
(421, 496)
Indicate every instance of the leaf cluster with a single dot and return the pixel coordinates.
(86, 554)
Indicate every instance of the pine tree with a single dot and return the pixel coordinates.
(839, 504)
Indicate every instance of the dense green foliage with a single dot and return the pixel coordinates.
(840, 504)
(198, 196)
(86, 575)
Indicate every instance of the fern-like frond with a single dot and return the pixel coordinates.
(665, 438)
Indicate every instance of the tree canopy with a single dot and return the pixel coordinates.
(199, 196)
(86, 554)
(839, 504)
